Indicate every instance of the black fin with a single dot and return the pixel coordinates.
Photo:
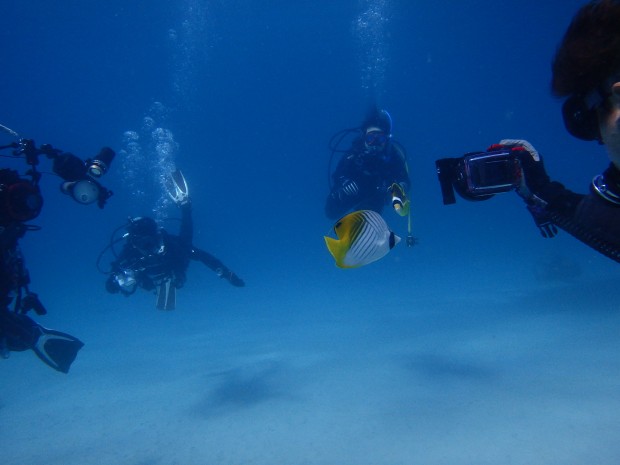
(57, 349)
(166, 296)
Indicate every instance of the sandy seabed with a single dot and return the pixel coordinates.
(519, 378)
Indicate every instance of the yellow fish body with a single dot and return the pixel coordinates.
(400, 202)
(363, 237)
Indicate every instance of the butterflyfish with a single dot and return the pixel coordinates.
(400, 202)
(363, 237)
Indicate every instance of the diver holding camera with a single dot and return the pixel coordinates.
(21, 201)
(510, 165)
(586, 72)
(515, 164)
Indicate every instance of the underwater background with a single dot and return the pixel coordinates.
(482, 344)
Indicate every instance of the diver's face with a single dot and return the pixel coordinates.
(375, 139)
(609, 123)
(146, 244)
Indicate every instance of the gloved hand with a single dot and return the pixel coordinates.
(534, 180)
(534, 176)
(348, 188)
(230, 276)
(235, 280)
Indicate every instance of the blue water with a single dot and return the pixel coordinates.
(483, 344)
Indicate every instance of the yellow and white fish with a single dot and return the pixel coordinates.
(363, 237)
(400, 202)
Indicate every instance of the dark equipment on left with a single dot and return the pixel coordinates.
(79, 177)
(21, 201)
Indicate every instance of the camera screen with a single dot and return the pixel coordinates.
(491, 172)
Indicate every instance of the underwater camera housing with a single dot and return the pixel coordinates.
(478, 175)
(80, 177)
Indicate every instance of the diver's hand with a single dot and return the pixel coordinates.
(534, 177)
(534, 180)
(231, 277)
(348, 189)
(235, 280)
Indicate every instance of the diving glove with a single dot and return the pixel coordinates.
(534, 178)
(349, 189)
(230, 276)
(534, 183)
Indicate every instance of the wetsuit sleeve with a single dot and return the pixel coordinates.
(346, 190)
(217, 266)
(186, 233)
(588, 218)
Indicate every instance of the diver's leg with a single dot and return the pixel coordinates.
(19, 332)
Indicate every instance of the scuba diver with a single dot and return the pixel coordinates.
(586, 71)
(21, 201)
(156, 260)
(371, 173)
(366, 173)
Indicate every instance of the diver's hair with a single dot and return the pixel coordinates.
(590, 50)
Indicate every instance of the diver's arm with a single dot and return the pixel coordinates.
(186, 233)
(342, 199)
(536, 185)
(217, 266)
(593, 218)
(347, 189)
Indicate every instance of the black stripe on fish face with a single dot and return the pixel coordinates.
(392, 240)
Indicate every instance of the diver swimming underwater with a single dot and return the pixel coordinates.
(155, 260)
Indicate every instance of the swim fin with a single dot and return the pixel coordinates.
(177, 188)
(57, 349)
(166, 296)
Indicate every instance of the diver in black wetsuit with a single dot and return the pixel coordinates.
(368, 170)
(586, 71)
(154, 259)
(21, 201)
